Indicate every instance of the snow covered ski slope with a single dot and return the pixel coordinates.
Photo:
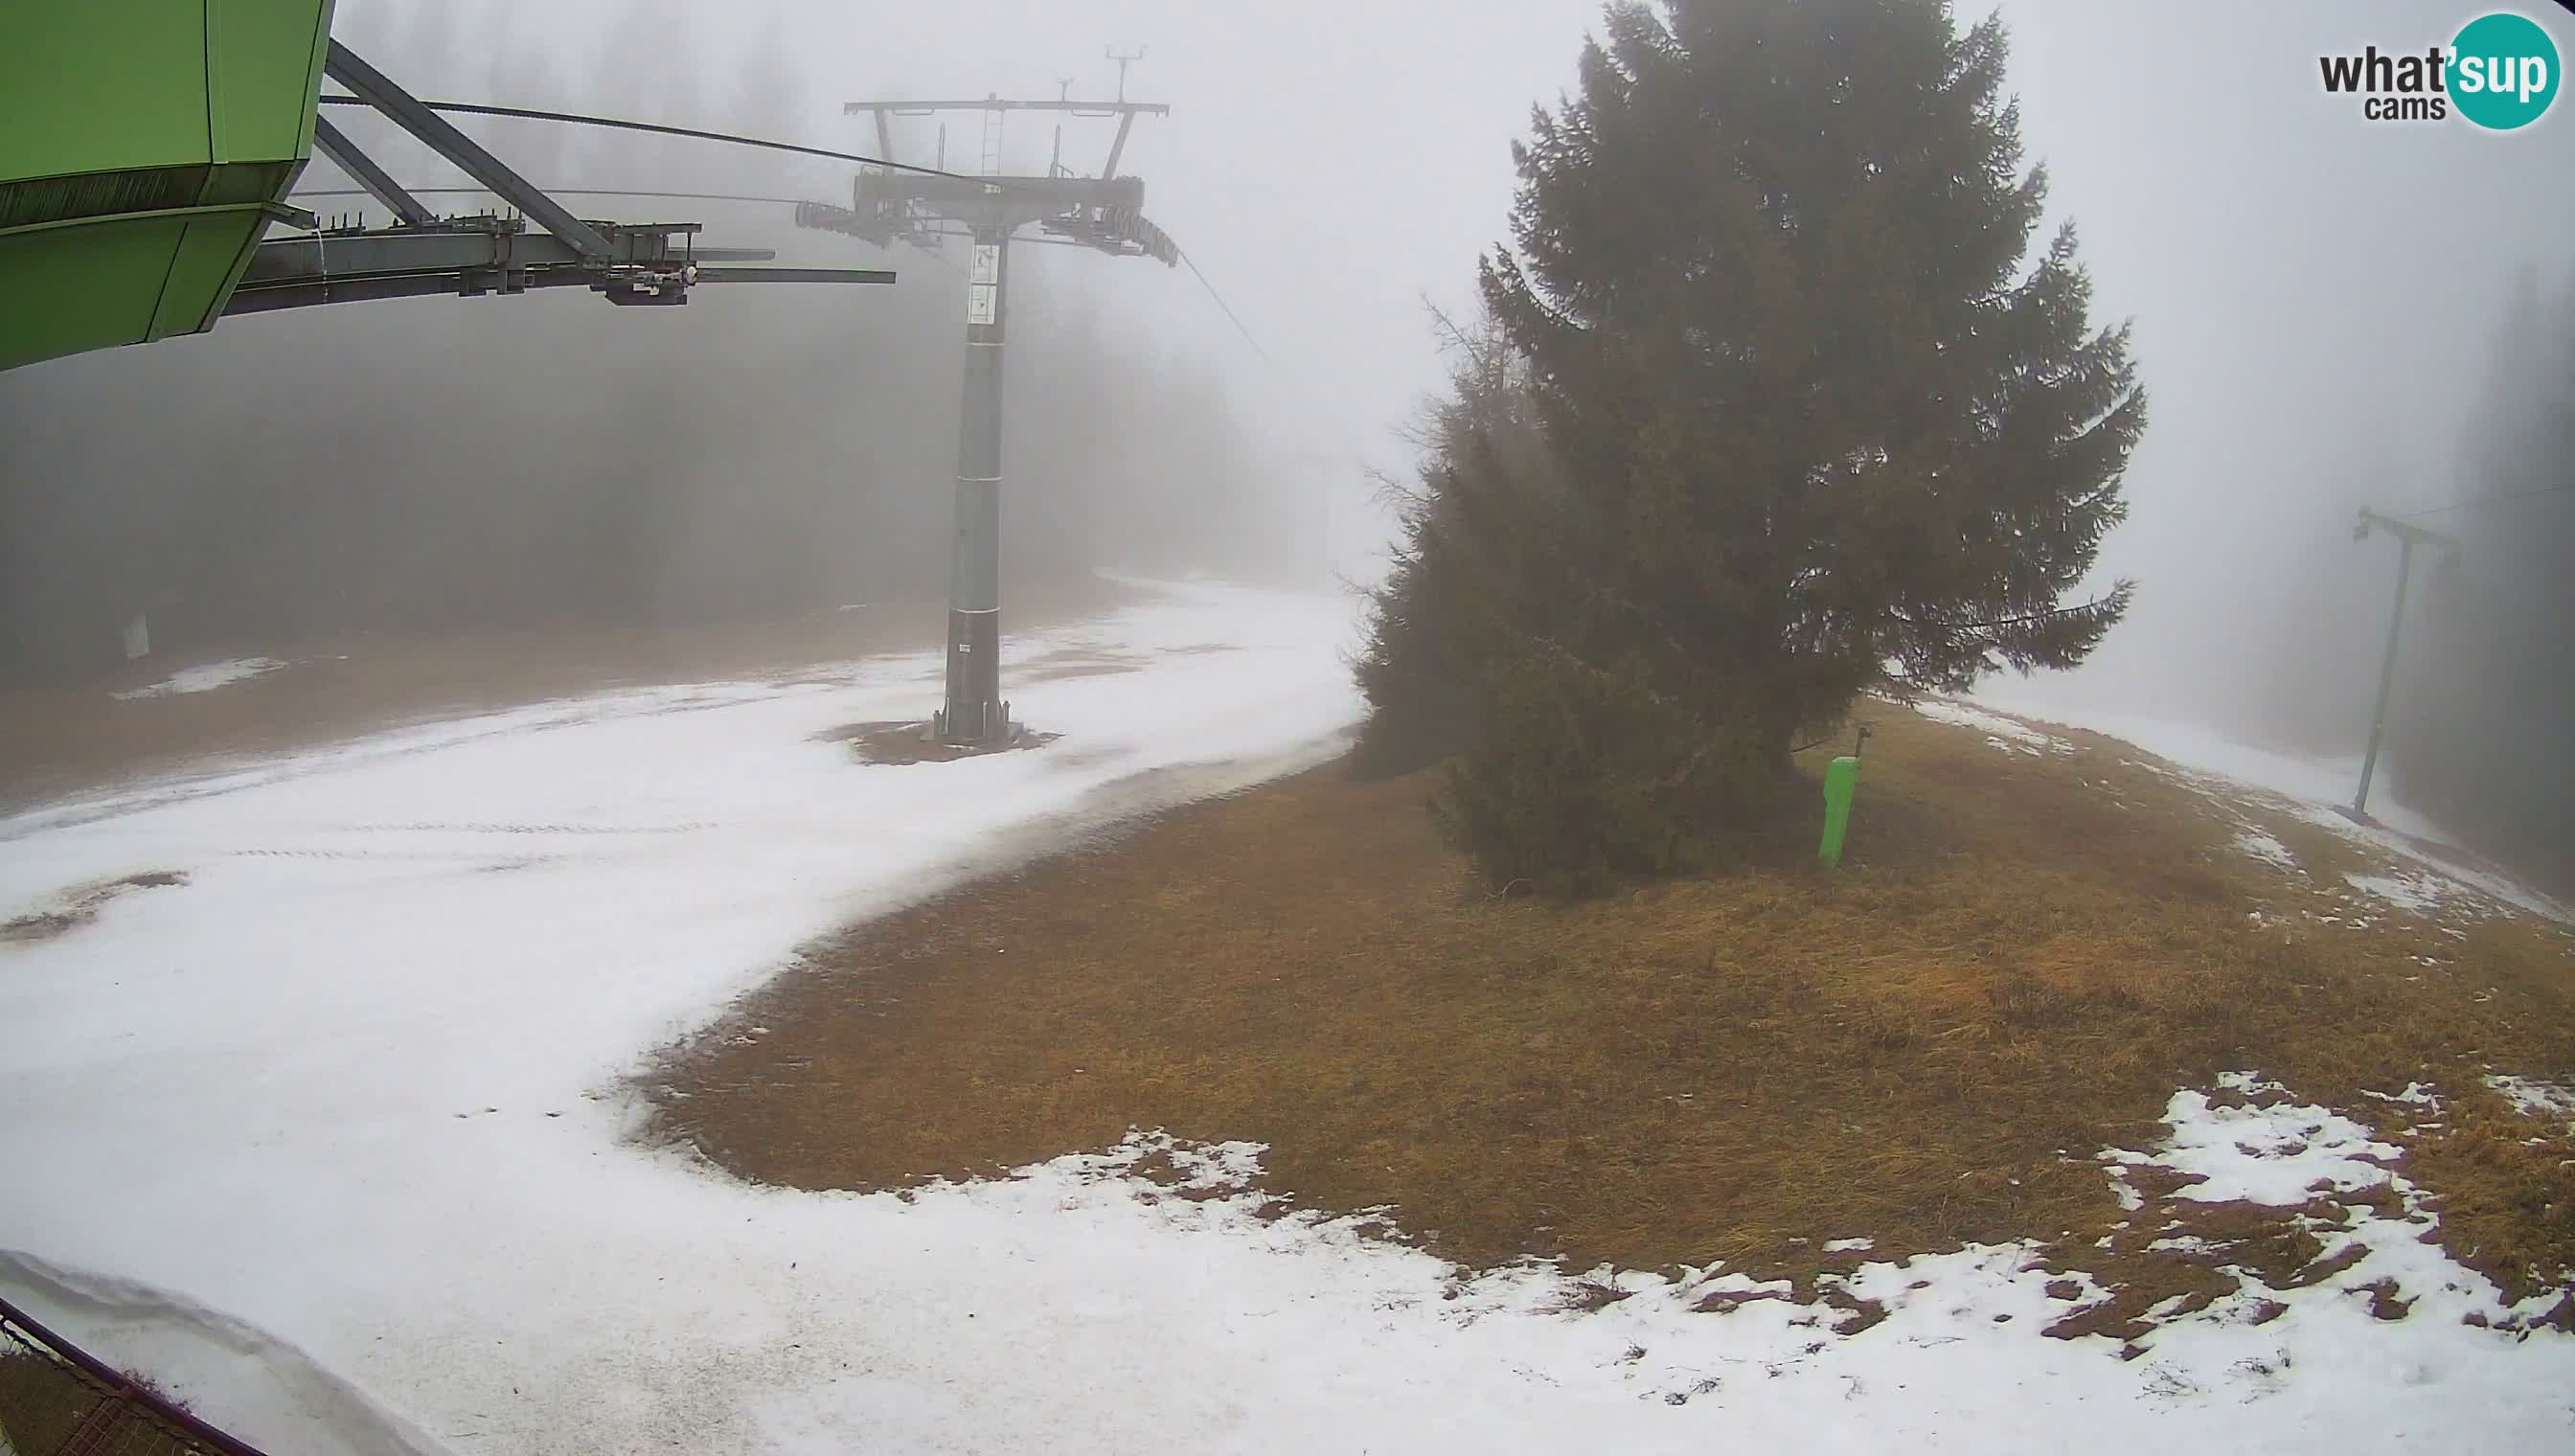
(323, 1060)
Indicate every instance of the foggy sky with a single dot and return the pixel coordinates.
(2313, 294)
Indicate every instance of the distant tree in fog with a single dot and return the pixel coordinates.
(2488, 701)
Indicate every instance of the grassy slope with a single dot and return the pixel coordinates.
(2023, 958)
(63, 740)
(43, 1403)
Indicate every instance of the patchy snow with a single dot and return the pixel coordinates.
(2000, 732)
(2416, 891)
(2284, 1154)
(2316, 789)
(343, 1113)
(2272, 1155)
(1848, 1245)
(2318, 781)
(2415, 1095)
(204, 678)
(2469, 888)
(2537, 1097)
(2264, 847)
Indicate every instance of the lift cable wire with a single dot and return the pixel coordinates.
(1229, 309)
(469, 108)
(564, 116)
(566, 191)
(1195, 270)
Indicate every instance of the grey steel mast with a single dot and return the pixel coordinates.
(2410, 537)
(1105, 213)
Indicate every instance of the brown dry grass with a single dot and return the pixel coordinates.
(42, 1404)
(56, 740)
(2021, 961)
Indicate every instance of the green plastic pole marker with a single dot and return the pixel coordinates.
(1841, 780)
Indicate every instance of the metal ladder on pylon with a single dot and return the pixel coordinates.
(993, 143)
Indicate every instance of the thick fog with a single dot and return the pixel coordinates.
(2319, 303)
(2317, 300)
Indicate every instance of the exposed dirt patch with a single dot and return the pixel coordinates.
(77, 907)
(1726, 1301)
(911, 743)
(2177, 1256)
(2023, 958)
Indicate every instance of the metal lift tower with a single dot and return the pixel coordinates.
(1105, 213)
(2410, 537)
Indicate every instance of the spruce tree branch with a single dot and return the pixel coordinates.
(2051, 615)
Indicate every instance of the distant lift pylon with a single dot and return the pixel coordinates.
(1105, 213)
(2411, 536)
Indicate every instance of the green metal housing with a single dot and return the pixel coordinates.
(145, 146)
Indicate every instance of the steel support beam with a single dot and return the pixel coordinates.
(325, 256)
(994, 103)
(493, 257)
(1030, 197)
(464, 244)
(2386, 680)
(439, 250)
(306, 293)
(362, 170)
(441, 136)
(794, 275)
(1117, 148)
(2410, 537)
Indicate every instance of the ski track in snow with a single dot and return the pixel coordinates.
(361, 1093)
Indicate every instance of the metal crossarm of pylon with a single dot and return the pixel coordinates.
(362, 169)
(463, 152)
(648, 264)
(2406, 532)
(1105, 213)
(142, 207)
(479, 255)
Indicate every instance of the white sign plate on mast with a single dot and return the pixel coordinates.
(979, 302)
(987, 263)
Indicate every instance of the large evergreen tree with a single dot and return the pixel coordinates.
(1816, 421)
